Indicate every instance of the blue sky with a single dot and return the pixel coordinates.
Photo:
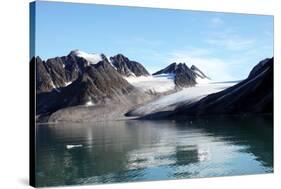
(225, 46)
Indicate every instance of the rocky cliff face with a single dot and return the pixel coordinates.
(184, 76)
(128, 67)
(57, 72)
(55, 68)
(199, 73)
(43, 79)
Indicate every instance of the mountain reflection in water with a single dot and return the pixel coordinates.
(123, 151)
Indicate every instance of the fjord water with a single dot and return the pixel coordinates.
(125, 151)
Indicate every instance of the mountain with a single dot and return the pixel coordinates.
(96, 85)
(55, 68)
(198, 72)
(252, 95)
(183, 75)
(57, 72)
(128, 67)
(79, 79)
(43, 79)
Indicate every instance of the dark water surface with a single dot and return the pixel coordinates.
(125, 151)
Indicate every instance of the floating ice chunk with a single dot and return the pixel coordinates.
(70, 146)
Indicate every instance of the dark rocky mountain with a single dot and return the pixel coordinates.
(55, 68)
(57, 72)
(198, 72)
(184, 76)
(172, 68)
(128, 67)
(252, 95)
(80, 79)
(74, 65)
(43, 79)
(97, 84)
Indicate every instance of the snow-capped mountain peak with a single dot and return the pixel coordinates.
(92, 58)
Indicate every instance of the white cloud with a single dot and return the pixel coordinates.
(229, 40)
(234, 44)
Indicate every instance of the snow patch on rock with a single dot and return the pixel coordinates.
(92, 58)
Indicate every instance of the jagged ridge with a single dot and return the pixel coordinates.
(184, 76)
(71, 80)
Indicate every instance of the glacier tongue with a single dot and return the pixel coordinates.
(202, 80)
(186, 95)
(157, 83)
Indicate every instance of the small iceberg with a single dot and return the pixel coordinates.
(70, 146)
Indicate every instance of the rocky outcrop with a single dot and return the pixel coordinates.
(199, 73)
(55, 68)
(183, 75)
(128, 67)
(58, 72)
(43, 79)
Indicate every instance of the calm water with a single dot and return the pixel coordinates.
(125, 151)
